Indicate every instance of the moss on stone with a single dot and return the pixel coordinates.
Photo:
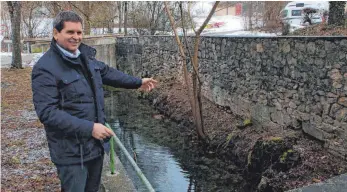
(275, 139)
(247, 122)
(249, 158)
(228, 139)
(284, 155)
(272, 140)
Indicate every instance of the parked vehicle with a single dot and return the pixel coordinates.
(299, 14)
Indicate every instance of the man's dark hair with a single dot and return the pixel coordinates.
(65, 16)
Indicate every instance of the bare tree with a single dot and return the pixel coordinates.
(33, 21)
(5, 21)
(336, 13)
(54, 7)
(149, 17)
(99, 14)
(258, 13)
(271, 16)
(104, 15)
(120, 16)
(250, 15)
(194, 94)
(125, 18)
(85, 8)
(14, 8)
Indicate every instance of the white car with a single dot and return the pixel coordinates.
(293, 14)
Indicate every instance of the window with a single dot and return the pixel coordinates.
(284, 13)
(296, 12)
(300, 4)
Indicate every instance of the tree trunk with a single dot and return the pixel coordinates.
(109, 28)
(120, 16)
(336, 13)
(194, 94)
(250, 13)
(197, 92)
(15, 12)
(87, 26)
(125, 18)
(87, 10)
(30, 32)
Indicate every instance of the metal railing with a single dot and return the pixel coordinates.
(128, 156)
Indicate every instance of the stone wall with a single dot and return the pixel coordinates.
(295, 82)
(148, 56)
(104, 45)
(105, 49)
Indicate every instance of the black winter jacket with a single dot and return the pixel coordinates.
(68, 106)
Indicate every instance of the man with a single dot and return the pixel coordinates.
(68, 97)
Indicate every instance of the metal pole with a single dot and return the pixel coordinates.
(132, 162)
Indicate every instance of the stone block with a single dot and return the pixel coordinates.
(259, 48)
(281, 118)
(311, 129)
(343, 101)
(328, 128)
(286, 47)
(341, 115)
(334, 109)
(261, 113)
(311, 48)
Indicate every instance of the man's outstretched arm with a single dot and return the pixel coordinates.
(113, 77)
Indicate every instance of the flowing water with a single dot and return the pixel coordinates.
(160, 150)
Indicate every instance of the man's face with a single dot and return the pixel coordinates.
(70, 36)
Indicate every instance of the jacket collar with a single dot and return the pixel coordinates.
(68, 53)
(85, 50)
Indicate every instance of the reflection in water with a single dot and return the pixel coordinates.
(157, 163)
(159, 150)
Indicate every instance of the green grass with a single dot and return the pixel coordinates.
(37, 50)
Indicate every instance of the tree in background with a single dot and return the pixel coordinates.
(31, 17)
(54, 7)
(193, 81)
(14, 8)
(257, 14)
(125, 18)
(148, 18)
(101, 14)
(34, 20)
(86, 9)
(120, 15)
(271, 15)
(104, 16)
(337, 13)
(5, 21)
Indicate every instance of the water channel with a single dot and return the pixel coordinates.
(161, 152)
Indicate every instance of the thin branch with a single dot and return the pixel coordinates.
(190, 17)
(227, 7)
(78, 8)
(202, 27)
(185, 41)
(172, 22)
